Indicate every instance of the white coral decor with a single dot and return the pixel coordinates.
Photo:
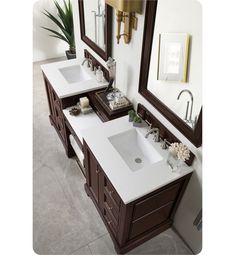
(180, 150)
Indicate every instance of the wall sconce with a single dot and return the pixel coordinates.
(125, 12)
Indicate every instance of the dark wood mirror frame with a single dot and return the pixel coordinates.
(194, 135)
(108, 32)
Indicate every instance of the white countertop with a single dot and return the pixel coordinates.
(82, 122)
(130, 185)
(61, 85)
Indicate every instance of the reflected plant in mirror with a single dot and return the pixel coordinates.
(171, 73)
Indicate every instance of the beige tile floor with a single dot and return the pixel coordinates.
(65, 221)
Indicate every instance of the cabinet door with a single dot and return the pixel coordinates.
(92, 173)
(56, 115)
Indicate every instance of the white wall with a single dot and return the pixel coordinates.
(128, 57)
(45, 46)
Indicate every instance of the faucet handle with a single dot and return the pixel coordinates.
(156, 137)
(150, 124)
(95, 69)
(165, 144)
(90, 63)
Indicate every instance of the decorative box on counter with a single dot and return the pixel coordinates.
(114, 101)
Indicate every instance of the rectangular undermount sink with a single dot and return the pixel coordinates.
(74, 74)
(135, 149)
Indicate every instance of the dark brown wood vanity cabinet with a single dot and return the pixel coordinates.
(131, 224)
(56, 113)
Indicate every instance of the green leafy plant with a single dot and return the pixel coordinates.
(64, 22)
(131, 114)
(137, 119)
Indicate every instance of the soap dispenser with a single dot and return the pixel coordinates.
(99, 75)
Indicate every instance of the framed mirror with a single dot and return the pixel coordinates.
(178, 100)
(96, 26)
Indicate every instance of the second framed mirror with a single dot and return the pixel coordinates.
(172, 43)
(163, 83)
(96, 26)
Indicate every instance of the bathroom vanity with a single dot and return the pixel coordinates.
(127, 177)
(126, 171)
(135, 203)
(133, 223)
(66, 82)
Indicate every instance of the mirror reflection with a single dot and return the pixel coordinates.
(94, 15)
(182, 96)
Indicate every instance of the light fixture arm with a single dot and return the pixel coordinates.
(125, 12)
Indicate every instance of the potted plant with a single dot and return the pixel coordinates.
(131, 114)
(137, 121)
(65, 24)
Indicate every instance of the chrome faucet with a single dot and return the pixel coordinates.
(156, 135)
(89, 62)
(191, 108)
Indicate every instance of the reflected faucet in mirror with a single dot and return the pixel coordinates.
(99, 14)
(188, 120)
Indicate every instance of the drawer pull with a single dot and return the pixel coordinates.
(111, 192)
(110, 208)
(109, 222)
(97, 171)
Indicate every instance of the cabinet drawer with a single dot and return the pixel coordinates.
(110, 221)
(111, 205)
(156, 201)
(150, 220)
(111, 191)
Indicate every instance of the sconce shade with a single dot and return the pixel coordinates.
(126, 5)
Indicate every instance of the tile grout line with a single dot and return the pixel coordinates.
(88, 244)
(83, 246)
(61, 186)
(90, 249)
(94, 241)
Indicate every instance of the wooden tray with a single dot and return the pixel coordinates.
(101, 97)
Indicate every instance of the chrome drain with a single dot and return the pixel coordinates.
(138, 160)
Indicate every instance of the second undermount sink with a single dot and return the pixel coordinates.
(135, 149)
(74, 74)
